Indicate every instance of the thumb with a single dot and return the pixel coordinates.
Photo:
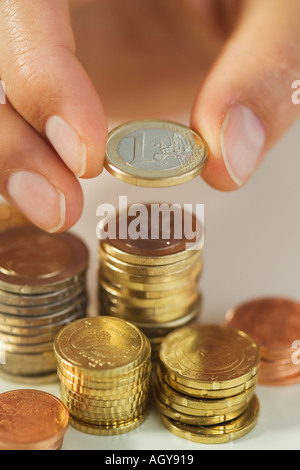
(245, 104)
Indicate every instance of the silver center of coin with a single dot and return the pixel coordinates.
(159, 149)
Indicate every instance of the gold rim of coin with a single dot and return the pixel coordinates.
(147, 271)
(200, 403)
(217, 434)
(204, 393)
(195, 420)
(100, 382)
(209, 356)
(140, 285)
(185, 166)
(163, 260)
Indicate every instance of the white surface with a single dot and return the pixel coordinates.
(252, 248)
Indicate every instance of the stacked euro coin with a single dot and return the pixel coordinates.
(152, 281)
(274, 323)
(104, 367)
(205, 383)
(42, 288)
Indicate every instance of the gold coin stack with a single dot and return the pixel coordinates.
(42, 288)
(104, 367)
(151, 282)
(205, 383)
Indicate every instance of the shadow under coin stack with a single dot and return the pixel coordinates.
(205, 383)
(104, 367)
(42, 288)
(152, 282)
(274, 324)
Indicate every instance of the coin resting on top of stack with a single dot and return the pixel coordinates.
(42, 288)
(104, 367)
(274, 323)
(205, 383)
(152, 282)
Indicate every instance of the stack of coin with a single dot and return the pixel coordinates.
(104, 367)
(205, 383)
(32, 420)
(42, 288)
(152, 282)
(274, 323)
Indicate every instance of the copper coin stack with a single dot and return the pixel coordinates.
(274, 323)
(205, 383)
(42, 288)
(104, 367)
(32, 420)
(152, 282)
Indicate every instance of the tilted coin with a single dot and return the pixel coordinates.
(175, 415)
(32, 420)
(209, 356)
(220, 433)
(155, 153)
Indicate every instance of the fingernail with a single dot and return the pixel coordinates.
(67, 144)
(242, 141)
(37, 199)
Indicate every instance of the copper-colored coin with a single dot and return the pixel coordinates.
(33, 261)
(273, 323)
(31, 420)
(155, 242)
(209, 356)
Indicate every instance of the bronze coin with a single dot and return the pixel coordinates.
(153, 240)
(31, 420)
(33, 261)
(273, 323)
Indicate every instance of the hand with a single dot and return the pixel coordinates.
(143, 59)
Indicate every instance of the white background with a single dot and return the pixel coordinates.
(252, 249)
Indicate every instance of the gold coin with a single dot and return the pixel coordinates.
(112, 414)
(140, 260)
(209, 356)
(29, 365)
(86, 402)
(141, 285)
(127, 380)
(132, 301)
(217, 434)
(195, 420)
(154, 153)
(107, 430)
(163, 314)
(115, 392)
(202, 406)
(106, 345)
(147, 271)
(204, 393)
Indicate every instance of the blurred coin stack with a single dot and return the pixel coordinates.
(205, 383)
(152, 281)
(104, 367)
(42, 288)
(274, 323)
